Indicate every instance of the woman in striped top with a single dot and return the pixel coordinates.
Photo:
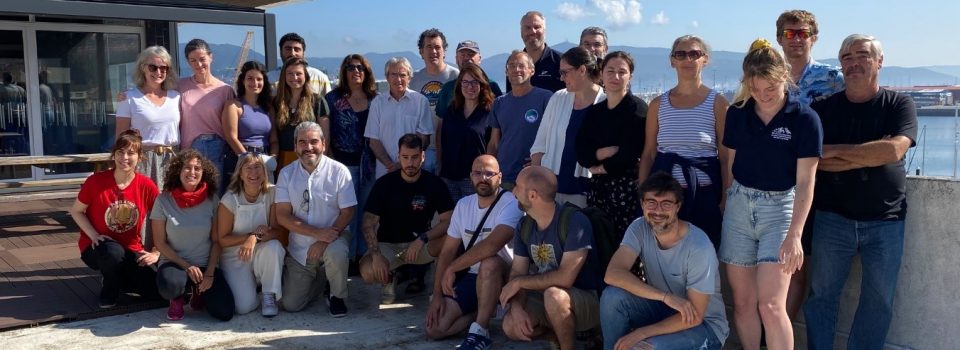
(684, 130)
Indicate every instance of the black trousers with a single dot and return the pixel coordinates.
(172, 282)
(120, 271)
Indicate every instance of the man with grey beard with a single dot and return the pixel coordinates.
(680, 306)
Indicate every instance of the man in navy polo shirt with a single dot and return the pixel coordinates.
(533, 31)
(860, 198)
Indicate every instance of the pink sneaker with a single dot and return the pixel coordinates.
(196, 301)
(175, 311)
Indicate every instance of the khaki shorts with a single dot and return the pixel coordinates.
(390, 251)
(586, 308)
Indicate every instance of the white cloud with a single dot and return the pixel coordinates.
(695, 24)
(619, 13)
(571, 12)
(660, 18)
(349, 40)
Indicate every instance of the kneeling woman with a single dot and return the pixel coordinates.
(183, 229)
(248, 232)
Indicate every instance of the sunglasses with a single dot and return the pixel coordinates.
(693, 55)
(792, 33)
(305, 204)
(162, 69)
(355, 68)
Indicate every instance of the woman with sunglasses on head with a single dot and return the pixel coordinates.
(774, 144)
(153, 108)
(248, 231)
(202, 99)
(295, 103)
(684, 130)
(610, 141)
(349, 109)
(110, 211)
(464, 130)
(185, 233)
(247, 122)
(553, 147)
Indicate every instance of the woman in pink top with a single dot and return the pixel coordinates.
(202, 97)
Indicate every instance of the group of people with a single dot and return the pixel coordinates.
(806, 163)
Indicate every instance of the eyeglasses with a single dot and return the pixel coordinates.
(470, 83)
(305, 205)
(484, 174)
(693, 55)
(792, 33)
(398, 75)
(355, 68)
(564, 72)
(162, 69)
(650, 204)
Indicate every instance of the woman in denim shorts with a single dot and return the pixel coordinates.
(774, 142)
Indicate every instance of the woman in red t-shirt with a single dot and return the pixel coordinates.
(110, 211)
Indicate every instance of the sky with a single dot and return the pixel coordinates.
(913, 33)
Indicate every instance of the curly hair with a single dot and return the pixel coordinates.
(171, 178)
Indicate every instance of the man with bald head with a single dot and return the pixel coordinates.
(470, 300)
(561, 296)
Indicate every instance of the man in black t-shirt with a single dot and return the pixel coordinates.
(860, 198)
(396, 222)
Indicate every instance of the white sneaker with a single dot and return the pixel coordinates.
(388, 294)
(268, 305)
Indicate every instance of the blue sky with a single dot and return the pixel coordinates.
(914, 33)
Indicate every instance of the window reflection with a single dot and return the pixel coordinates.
(14, 130)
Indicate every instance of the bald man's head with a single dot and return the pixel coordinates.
(485, 175)
(538, 179)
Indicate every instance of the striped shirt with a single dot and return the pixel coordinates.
(688, 132)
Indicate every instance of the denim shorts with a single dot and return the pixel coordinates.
(755, 223)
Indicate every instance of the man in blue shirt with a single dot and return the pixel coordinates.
(796, 33)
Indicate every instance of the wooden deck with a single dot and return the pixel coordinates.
(41, 276)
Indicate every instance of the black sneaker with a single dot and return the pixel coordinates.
(475, 341)
(337, 307)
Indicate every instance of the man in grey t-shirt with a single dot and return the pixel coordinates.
(429, 80)
(680, 306)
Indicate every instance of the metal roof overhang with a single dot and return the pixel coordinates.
(161, 10)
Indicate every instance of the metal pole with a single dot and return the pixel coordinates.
(956, 137)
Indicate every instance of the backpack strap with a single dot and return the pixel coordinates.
(566, 214)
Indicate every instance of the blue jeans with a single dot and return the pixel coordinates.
(836, 240)
(212, 147)
(430, 161)
(622, 312)
(362, 185)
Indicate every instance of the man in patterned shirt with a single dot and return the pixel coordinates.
(796, 34)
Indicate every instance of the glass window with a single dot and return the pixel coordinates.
(14, 130)
(80, 76)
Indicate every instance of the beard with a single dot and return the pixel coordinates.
(411, 171)
(484, 189)
(663, 225)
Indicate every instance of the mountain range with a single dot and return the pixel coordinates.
(652, 70)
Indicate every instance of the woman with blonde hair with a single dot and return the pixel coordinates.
(248, 232)
(774, 145)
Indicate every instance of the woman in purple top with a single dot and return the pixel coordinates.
(247, 121)
(349, 108)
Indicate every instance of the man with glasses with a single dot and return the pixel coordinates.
(594, 39)
(554, 281)
(467, 52)
(315, 201)
(401, 111)
(396, 224)
(860, 197)
(680, 305)
(429, 80)
(293, 45)
(796, 33)
(459, 298)
(515, 118)
(533, 31)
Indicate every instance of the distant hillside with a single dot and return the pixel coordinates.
(652, 67)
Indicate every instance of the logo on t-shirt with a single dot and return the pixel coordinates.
(432, 91)
(544, 257)
(781, 133)
(121, 216)
(531, 116)
(418, 202)
(545, 73)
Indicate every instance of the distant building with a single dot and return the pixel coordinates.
(928, 96)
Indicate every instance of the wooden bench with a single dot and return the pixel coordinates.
(44, 161)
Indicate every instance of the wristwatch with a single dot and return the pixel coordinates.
(423, 237)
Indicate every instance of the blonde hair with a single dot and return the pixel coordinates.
(762, 61)
(236, 182)
(140, 78)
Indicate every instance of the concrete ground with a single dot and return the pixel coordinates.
(367, 326)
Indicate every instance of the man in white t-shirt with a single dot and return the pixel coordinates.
(429, 81)
(315, 201)
(473, 296)
(293, 45)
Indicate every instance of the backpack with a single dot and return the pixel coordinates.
(606, 239)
